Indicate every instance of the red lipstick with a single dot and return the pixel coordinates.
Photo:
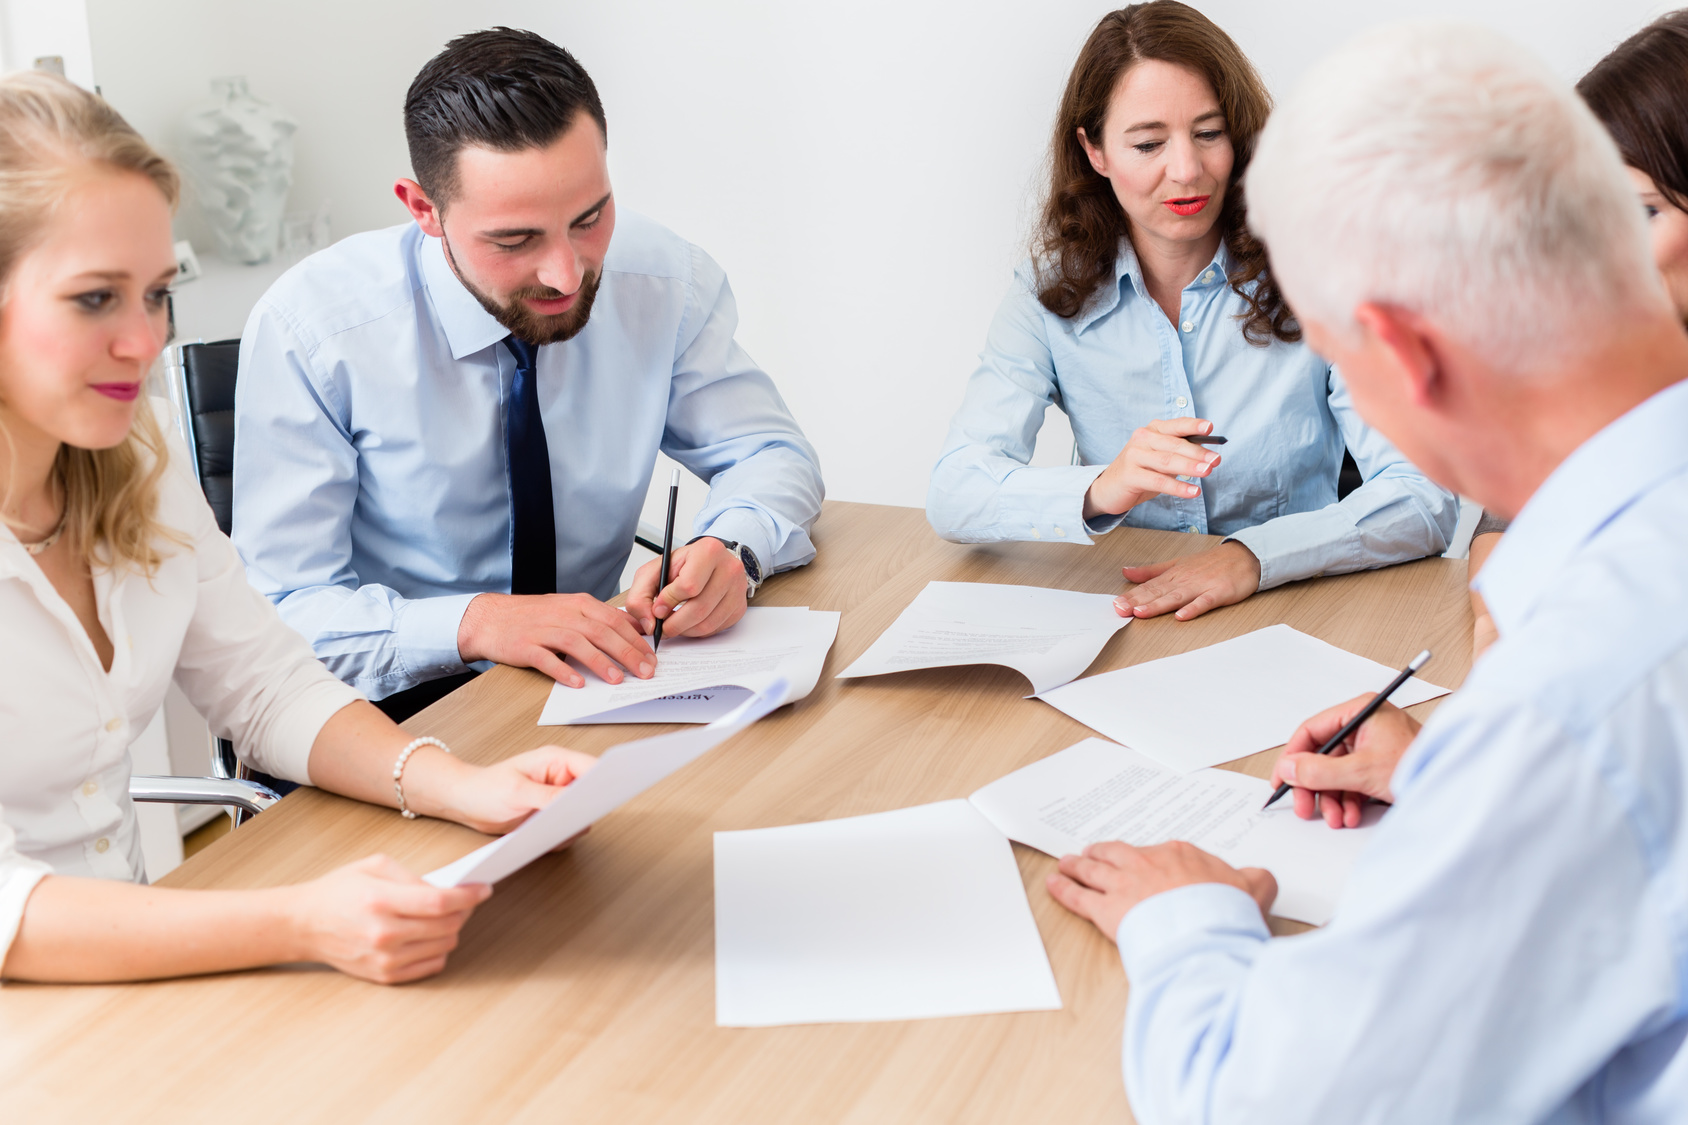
(122, 392)
(1188, 205)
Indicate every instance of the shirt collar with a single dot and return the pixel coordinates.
(1578, 499)
(1126, 266)
(468, 327)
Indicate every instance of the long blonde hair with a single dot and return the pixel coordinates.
(49, 130)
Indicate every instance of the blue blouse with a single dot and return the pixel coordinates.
(1121, 364)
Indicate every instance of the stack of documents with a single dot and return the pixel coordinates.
(622, 773)
(893, 916)
(1228, 700)
(698, 680)
(1048, 636)
(1098, 791)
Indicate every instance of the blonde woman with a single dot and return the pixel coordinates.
(114, 580)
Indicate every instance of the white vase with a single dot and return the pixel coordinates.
(240, 157)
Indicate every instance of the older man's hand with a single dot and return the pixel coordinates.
(1109, 880)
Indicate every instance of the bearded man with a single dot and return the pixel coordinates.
(445, 430)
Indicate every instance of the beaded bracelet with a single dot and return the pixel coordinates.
(398, 769)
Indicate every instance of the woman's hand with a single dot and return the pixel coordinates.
(492, 799)
(375, 920)
(1339, 784)
(1190, 586)
(1150, 465)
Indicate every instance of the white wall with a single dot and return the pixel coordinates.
(864, 172)
(31, 29)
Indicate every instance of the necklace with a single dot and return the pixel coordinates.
(44, 544)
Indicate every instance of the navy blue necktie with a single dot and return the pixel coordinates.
(533, 525)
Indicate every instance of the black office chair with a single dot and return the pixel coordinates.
(1349, 478)
(201, 380)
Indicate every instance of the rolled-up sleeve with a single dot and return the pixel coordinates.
(18, 878)
(728, 424)
(254, 679)
(1398, 514)
(983, 488)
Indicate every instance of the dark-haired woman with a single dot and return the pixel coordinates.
(1640, 93)
(1148, 315)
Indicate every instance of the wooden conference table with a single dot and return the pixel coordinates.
(584, 990)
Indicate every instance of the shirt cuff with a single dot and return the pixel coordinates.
(18, 879)
(1047, 503)
(1262, 540)
(749, 527)
(427, 635)
(1160, 929)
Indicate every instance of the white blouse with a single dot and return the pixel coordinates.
(66, 723)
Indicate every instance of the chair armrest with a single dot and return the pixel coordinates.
(237, 792)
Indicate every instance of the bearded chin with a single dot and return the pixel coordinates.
(525, 324)
(521, 321)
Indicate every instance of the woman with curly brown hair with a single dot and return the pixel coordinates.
(1149, 315)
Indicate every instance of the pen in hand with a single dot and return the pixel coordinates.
(1205, 439)
(667, 554)
(1353, 724)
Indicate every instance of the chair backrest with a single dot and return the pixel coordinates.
(208, 375)
(1349, 479)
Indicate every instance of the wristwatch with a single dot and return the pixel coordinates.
(752, 568)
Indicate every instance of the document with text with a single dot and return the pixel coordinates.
(700, 679)
(1097, 790)
(1228, 700)
(1048, 636)
(902, 915)
(622, 773)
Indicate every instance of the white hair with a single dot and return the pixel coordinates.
(1444, 170)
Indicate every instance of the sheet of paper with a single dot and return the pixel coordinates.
(1228, 700)
(1048, 636)
(1096, 790)
(700, 679)
(622, 773)
(898, 915)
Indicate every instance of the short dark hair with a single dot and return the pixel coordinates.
(504, 89)
(1640, 93)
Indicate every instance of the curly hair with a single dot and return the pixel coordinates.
(1082, 222)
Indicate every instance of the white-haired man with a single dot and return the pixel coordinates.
(1455, 230)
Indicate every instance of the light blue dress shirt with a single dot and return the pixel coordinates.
(1120, 365)
(371, 495)
(1512, 946)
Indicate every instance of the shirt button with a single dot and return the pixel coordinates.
(1182, 401)
(1192, 531)
(1208, 276)
(1058, 531)
(89, 788)
(114, 724)
(1035, 535)
(1189, 326)
(101, 845)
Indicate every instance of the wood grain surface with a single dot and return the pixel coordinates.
(584, 989)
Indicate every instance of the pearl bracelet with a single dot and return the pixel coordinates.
(398, 769)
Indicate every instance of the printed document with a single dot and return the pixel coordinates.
(622, 773)
(700, 679)
(1228, 700)
(1098, 791)
(898, 915)
(1048, 636)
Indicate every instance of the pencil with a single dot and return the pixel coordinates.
(667, 552)
(1353, 724)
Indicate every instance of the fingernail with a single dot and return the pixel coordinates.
(613, 676)
(1191, 490)
(1286, 769)
(1122, 605)
(646, 670)
(1212, 457)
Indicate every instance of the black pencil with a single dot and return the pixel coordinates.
(1353, 724)
(667, 553)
